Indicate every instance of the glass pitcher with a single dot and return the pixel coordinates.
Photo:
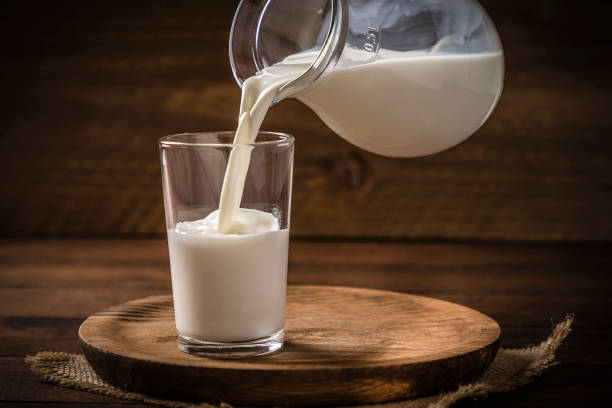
(400, 78)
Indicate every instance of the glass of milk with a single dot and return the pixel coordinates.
(228, 288)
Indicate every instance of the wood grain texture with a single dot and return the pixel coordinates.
(88, 89)
(342, 346)
(49, 286)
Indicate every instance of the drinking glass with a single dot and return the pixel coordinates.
(228, 289)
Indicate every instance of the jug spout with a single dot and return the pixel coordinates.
(267, 33)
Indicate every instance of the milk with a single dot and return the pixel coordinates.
(229, 269)
(405, 105)
(409, 106)
(229, 287)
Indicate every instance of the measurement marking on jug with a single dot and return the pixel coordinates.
(372, 40)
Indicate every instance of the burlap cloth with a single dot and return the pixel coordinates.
(511, 369)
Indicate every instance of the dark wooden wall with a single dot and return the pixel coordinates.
(88, 87)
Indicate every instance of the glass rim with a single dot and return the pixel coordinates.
(177, 140)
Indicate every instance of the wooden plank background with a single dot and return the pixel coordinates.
(88, 87)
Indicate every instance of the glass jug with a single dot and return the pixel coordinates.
(400, 78)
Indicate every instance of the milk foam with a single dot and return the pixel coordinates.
(246, 221)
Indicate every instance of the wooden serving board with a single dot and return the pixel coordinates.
(342, 346)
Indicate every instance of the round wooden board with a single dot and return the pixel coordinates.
(342, 346)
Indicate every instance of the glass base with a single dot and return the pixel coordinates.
(257, 347)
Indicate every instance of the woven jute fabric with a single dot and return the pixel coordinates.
(511, 368)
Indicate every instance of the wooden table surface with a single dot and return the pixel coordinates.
(48, 287)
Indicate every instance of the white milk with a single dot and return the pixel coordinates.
(229, 269)
(229, 287)
(409, 105)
